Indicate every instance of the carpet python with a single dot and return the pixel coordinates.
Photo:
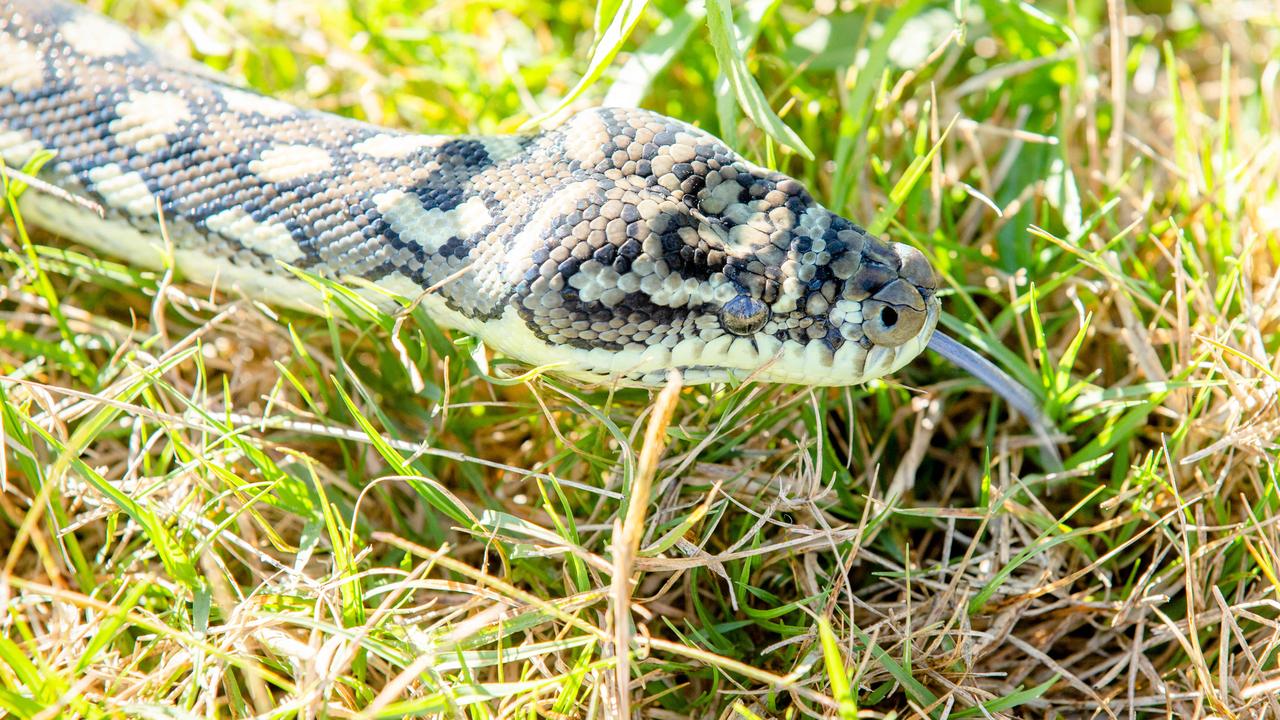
(615, 246)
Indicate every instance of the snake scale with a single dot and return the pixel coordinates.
(615, 246)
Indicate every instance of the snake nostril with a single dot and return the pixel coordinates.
(890, 323)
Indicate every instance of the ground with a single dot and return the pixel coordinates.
(212, 509)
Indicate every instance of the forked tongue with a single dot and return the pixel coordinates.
(1018, 397)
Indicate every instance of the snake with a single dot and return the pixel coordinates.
(619, 244)
(616, 246)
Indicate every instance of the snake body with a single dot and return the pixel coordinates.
(615, 246)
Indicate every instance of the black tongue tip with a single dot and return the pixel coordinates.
(1018, 397)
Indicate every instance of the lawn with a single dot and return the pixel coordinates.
(213, 508)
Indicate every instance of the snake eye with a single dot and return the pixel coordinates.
(744, 315)
(893, 315)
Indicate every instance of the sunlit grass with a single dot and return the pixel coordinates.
(212, 508)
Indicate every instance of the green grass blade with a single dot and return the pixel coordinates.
(733, 68)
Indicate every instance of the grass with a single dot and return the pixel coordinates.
(209, 509)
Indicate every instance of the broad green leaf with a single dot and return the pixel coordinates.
(734, 68)
(747, 29)
(643, 67)
(608, 43)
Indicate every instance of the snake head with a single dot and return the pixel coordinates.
(665, 249)
(844, 306)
